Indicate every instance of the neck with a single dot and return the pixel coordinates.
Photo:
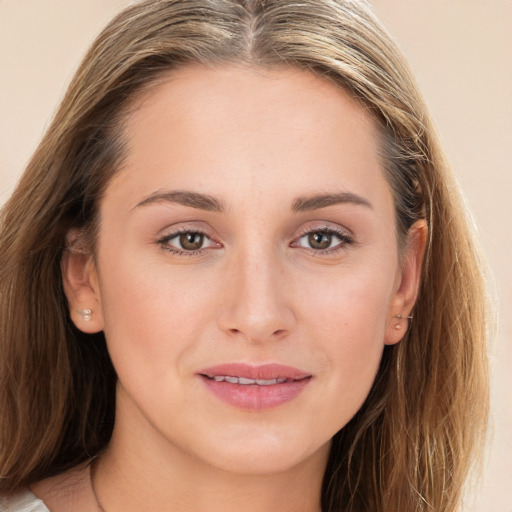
(122, 488)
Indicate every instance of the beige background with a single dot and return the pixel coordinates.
(461, 51)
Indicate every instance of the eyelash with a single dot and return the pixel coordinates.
(345, 239)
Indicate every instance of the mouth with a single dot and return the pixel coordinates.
(244, 381)
(255, 387)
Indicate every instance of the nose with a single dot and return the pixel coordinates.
(257, 304)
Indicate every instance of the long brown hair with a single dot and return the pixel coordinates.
(410, 446)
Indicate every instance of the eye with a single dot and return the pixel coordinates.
(325, 240)
(190, 241)
(319, 240)
(187, 242)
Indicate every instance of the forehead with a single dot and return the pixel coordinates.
(211, 129)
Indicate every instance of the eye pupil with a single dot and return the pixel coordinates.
(319, 240)
(191, 241)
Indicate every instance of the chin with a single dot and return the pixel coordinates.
(265, 454)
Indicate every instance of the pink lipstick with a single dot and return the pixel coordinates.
(254, 387)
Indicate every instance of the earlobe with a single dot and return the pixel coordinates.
(408, 285)
(81, 287)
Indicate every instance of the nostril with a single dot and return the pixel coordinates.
(277, 334)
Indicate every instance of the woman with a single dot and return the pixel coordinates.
(237, 274)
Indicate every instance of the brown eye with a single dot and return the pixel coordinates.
(191, 241)
(188, 243)
(324, 241)
(319, 240)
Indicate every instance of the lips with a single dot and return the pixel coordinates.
(254, 387)
(261, 372)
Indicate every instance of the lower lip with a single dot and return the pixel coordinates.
(254, 397)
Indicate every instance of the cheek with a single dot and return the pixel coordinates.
(350, 305)
(346, 318)
(153, 318)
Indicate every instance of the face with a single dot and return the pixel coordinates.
(247, 272)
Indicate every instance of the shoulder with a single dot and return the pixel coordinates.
(65, 492)
(23, 501)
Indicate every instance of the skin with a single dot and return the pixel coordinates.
(258, 142)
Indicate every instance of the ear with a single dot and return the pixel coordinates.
(81, 285)
(407, 284)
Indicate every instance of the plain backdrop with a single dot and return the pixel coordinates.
(461, 52)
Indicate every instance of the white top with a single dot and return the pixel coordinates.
(24, 501)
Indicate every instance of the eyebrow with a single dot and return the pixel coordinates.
(304, 204)
(191, 199)
(209, 203)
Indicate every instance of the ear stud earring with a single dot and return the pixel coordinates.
(86, 314)
(398, 326)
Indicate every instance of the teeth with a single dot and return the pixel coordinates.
(245, 381)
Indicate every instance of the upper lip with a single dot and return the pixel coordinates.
(257, 372)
